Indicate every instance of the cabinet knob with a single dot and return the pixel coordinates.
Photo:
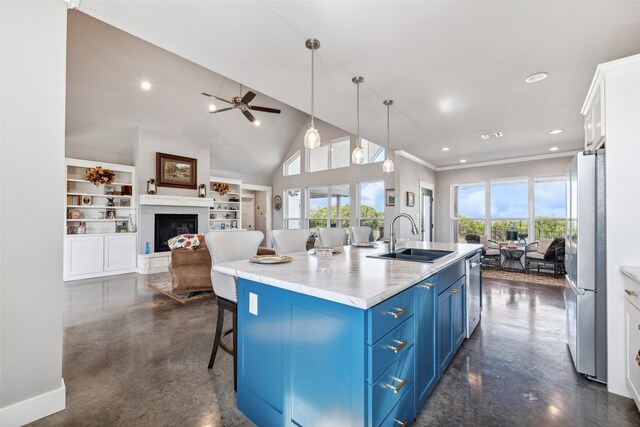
(398, 387)
(399, 312)
(400, 345)
(455, 291)
(426, 285)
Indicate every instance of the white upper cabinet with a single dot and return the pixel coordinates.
(594, 118)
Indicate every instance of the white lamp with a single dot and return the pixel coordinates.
(388, 166)
(312, 137)
(357, 157)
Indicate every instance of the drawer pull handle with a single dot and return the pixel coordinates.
(401, 423)
(426, 285)
(455, 291)
(399, 312)
(400, 346)
(631, 293)
(397, 388)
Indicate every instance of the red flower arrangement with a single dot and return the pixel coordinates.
(221, 188)
(99, 176)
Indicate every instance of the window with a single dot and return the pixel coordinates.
(372, 152)
(550, 207)
(372, 207)
(292, 166)
(329, 206)
(330, 155)
(468, 210)
(292, 209)
(340, 206)
(509, 208)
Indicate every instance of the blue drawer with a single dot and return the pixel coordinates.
(389, 314)
(390, 348)
(394, 383)
(403, 413)
(449, 276)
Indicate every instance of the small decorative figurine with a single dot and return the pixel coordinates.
(151, 186)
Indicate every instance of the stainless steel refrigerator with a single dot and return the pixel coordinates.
(585, 264)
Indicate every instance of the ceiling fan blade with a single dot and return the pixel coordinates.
(249, 116)
(220, 111)
(219, 99)
(248, 97)
(264, 109)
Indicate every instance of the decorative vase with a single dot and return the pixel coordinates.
(131, 226)
(147, 250)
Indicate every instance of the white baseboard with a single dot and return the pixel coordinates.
(37, 407)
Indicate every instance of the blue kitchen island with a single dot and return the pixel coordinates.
(354, 341)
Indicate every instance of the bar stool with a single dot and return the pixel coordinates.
(290, 241)
(332, 237)
(360, 234)
(229, 247)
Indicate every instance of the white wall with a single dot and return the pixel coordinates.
(622, 106)
(33, 67)
(116, 146)
(151, 142)
(445, 179)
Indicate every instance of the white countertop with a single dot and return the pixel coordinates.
(632, 273)
(350, 277)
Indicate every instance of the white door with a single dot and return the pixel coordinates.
(248, 212)
(120, 252)
(83, 255)
(426, 209)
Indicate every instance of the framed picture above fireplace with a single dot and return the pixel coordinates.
(176, 171)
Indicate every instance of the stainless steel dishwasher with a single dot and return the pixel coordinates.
(474, 292)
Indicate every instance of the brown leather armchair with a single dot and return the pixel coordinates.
(190, 270)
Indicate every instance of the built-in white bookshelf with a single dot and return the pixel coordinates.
(99, 224)
(226, 212)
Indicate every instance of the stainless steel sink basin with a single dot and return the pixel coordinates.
(413, 254)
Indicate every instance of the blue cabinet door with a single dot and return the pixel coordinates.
(425, 320)
(444, 327)
(458, 322)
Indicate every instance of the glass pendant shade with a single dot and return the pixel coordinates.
(312, 138)
(388, 166)
(357, 157)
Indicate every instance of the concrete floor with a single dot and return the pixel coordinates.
(133, 357)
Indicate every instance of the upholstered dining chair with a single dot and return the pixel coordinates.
(490, 253)
(229, 247)
(360, 234)
(290, 241)
(331, 237)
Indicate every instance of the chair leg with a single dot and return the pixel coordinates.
(235, 351)
(216, 341)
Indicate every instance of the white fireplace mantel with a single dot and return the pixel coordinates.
(157, 200)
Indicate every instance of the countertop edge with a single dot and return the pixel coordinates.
(632, 272)
(357, 302)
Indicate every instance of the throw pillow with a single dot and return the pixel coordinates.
(555, 250)
(187, 241)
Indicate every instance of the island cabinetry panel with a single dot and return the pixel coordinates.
(301, 360)
(425, 320)
(450, 323)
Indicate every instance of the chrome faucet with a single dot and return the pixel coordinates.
(392, 236)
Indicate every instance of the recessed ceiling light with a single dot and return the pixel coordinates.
(554, 149)
(491, 135)
(145, 85)
(257, 123)
(463, 160)
(555, 131)
(537, 77)
(445, 149)
(212, 107)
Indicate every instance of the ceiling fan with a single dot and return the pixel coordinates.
(243, 103)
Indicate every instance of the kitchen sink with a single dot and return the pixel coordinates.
(413, 254)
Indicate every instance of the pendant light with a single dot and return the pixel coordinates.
(357, 157)
(312, 137)
(387, 166)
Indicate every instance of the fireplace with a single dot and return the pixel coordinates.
(168, 226)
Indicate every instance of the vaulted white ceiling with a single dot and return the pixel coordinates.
(455, 69)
